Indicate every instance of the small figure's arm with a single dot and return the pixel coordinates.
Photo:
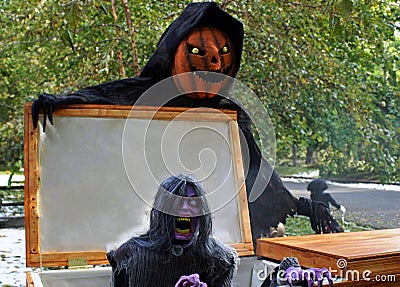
(318, 212)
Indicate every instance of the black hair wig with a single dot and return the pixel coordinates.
(162, 224)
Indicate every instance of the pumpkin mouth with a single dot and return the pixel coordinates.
(212, 77)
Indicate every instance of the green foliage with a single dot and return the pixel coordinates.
(327, 71)
(60, 46)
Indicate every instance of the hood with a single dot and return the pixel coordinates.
(194, 15)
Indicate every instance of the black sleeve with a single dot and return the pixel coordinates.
(331, 200)
(119, 278)
(270, 202)
(119, 92)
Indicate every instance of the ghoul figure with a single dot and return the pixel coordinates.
(178, 247)
(203, 38)
(317, 189)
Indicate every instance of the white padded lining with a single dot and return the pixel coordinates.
(86, 199)
(73, 278)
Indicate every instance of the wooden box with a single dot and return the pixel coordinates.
(90, 180)
(365, 258)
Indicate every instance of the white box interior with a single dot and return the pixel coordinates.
(98, 178)
(73, 278)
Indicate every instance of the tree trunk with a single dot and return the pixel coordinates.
(294, 155)
(310, 155)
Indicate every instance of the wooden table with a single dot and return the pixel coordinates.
(355, 256)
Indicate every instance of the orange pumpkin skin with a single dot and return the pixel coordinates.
(203, 49)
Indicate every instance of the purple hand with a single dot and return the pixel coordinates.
(192, 280)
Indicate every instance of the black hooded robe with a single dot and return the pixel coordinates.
(276, 202)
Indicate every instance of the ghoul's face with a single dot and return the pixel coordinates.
(186, 223)
(203, 49)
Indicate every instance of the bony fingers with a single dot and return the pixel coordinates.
(35, 113)
(44, 119)
(51, 114)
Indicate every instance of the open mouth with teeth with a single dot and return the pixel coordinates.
(183, 225)
(215, 77)
(183, 228)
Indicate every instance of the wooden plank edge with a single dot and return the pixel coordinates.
(378, 266)
(166, 113)
(29, 280)
(27, 124)
(31, 184)
(243, 249)
(284, 242)
(262, 242)
(240, 184)
(308, 260)
(50, 259)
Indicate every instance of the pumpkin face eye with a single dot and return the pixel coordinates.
(195, 51)
(224, 50)
(204, 49)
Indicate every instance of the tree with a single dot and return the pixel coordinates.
(61, 46)
(316, 65)
(327, 71)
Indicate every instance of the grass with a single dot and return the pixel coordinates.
(300, 225)
(12, 195)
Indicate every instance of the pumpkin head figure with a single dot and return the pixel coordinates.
(204, 49)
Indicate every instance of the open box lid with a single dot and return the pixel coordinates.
(90, 179)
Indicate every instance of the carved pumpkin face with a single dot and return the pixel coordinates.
(203, 49)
